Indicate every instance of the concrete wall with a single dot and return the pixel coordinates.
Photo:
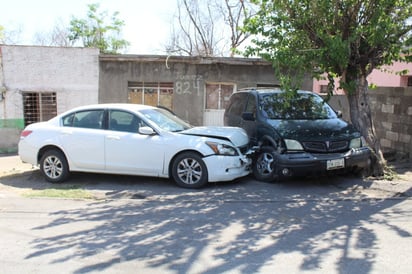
(392, 115)
(72, 73)
(188, 74)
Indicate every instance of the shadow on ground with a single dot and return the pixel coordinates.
(244, 226)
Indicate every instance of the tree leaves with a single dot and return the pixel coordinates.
(342, 37)
(93, 31)
(338, 38)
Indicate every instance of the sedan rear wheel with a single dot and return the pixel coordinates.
(53, 166)
(264, 165)
(189, 170)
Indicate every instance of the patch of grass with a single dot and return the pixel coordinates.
(390, 173)
(63, 191)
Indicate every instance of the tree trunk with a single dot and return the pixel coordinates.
(361, 116)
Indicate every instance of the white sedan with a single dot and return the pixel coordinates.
(134, 140)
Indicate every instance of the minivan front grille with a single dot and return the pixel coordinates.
(327, 146)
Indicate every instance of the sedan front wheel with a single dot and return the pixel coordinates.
(189, 170)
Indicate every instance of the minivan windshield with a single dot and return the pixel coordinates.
(300, 106)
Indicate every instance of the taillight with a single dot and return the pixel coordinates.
(25, 133)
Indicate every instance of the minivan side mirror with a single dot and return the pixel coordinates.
(248, 116)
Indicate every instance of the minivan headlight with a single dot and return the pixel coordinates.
(293, 145)
(222, 149)
(355, 143)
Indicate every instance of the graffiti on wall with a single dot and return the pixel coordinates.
(188, 85)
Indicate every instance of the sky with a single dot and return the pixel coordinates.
(147, 22)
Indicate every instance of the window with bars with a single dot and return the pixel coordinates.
(39, 106)
(151, 93)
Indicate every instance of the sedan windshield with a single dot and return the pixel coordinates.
(301, 106)
(165, 120)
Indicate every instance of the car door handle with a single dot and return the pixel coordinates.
(113, 137)
(67, 132)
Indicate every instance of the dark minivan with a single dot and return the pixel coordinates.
(296, 134)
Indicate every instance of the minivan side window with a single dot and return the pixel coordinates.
(238, 104)
(251, 104)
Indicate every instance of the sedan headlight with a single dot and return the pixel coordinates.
(222, 149)
(293, 145)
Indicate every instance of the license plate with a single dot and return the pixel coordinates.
(335, 164)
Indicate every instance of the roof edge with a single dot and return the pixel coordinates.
(183, 59)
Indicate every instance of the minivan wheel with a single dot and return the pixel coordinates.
(53, 166)
(264, 165)
(189, 170)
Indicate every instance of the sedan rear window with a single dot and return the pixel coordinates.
(85, 119)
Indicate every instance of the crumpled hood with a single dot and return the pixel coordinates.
(315, 130)
(236, 135)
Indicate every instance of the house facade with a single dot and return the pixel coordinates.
(36, 83)
(197, 89)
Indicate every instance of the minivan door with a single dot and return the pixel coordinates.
(249, 121)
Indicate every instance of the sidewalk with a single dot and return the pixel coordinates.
(10, 164)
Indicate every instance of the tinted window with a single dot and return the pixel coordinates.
(85, 119)
(68, 120)
(124, 121)
(251, 104)
(237, 104)
(302, 106)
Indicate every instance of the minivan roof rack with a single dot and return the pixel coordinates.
(259, 88)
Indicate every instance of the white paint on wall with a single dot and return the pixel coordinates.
(73, 73)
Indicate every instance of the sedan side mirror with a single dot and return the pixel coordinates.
(339, 114)
(146, 131)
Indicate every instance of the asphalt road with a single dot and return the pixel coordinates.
(146, 225)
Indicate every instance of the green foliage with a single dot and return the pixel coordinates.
(344, 38)
(93, 31)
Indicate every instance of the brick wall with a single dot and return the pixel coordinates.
(392, 115)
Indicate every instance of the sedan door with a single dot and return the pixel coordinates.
(82, 138)
(129, 152)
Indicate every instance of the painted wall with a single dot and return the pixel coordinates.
(387, 76)
(73, 73)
